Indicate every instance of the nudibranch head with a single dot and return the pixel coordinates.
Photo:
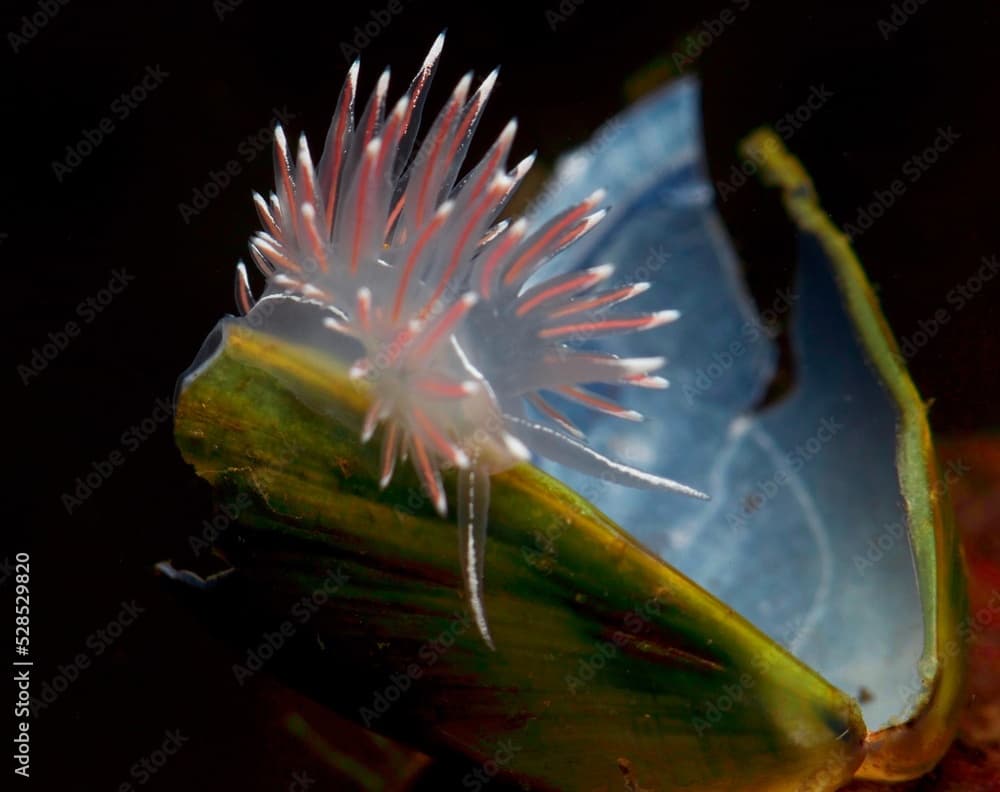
(458, 337)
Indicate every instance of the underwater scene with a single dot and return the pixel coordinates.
(551, 396)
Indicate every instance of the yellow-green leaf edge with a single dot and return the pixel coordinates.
(911, 747)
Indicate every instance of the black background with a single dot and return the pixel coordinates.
(892, 92)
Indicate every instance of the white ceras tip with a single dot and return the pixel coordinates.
(642, 365)
(359, 370)
(280, 141)
(305, 159)
(338, 327)
(501, 183)
(441, 503)
(399, 109)
(486, 86)
(522, 168)
(435, 51)
(507, 135)
(493, 232)
(663, 317)
(516, 448)
(461, 92)
(382, 86)
(596, 197)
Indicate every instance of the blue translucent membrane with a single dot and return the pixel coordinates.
(805, 534)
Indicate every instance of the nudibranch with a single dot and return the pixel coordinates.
(440, 307)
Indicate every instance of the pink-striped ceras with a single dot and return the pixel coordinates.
(411, 262)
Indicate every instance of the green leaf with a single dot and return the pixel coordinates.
(604, 653)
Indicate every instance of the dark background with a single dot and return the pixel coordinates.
(62, 237)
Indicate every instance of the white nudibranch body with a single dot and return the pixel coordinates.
(412, 263)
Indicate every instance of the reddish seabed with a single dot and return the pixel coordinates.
(972, 764)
